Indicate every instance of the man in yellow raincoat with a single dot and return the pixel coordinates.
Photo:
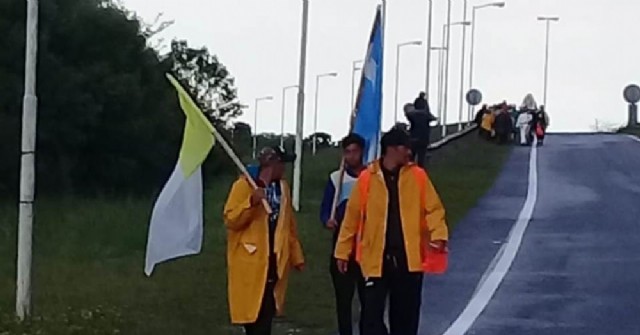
(261, 247)
(394, 219)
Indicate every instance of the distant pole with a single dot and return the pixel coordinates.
(462, 67)
(315, 112)
(548, 21)
(440, 50)
(445, 99)
(255, 124)
(429, 44)
(297, 169)
(282, 112)
(397, 83)
(27, 167)
(473, 47)
(354, 69)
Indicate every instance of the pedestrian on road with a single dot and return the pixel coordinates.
(486, 126)
(344, 284)
(261, 247)
(391, 238)
(480, 114)
(541, 122)
(419, 129)
(503, 125)
(524, 126)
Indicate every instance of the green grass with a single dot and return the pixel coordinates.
(89, 255)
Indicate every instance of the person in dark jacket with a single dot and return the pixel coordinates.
(344, 284)
(503, 126)
(419, 130)
(421, 102)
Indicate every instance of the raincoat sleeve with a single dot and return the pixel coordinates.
(238, 212)
(349, 226)
(436, 214)
(297, 255)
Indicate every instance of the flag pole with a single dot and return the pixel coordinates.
(352, 118)
(226, 147)
(27, 167)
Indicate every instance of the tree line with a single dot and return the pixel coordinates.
(108, 121)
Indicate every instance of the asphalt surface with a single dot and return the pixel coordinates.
(578, 268)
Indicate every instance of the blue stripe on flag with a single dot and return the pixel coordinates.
(368, 110)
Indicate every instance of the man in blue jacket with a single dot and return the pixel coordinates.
(344, 284)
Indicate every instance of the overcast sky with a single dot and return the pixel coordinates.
(594, 53)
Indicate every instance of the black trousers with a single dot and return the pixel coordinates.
(419, 150)
(263, 324)
(345, 286)
(404, 289)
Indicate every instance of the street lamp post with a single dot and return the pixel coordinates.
(548, 21)
(297, 168)
(315, 113)
(282, 112)
(354, 69)
(440, 51)
(429, 50)
(399, 47)
(255, 123)
(27, 166)
(473, 37)
(462, 64)
(446, 42)
(445, 99)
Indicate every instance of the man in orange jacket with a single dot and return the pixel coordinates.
(391, 226)
(261, 247)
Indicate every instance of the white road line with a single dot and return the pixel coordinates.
(633, 137)
(486, 290)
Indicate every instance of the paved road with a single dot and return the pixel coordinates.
(577, 270)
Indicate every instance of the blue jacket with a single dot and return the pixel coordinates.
(348, 183)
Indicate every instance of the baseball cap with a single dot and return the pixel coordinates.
(275, 154)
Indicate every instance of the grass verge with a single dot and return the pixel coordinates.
(89, 254)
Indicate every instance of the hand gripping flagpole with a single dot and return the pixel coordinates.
(227, 148)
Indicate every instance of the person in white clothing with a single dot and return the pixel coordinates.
(523, 123)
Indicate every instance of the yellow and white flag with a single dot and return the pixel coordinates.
(176, 227)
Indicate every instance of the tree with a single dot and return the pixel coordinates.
(207, 80)
(108, 119)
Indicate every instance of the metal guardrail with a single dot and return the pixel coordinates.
(450, 138)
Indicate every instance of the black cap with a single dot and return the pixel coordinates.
(395, 137)
(275, 154)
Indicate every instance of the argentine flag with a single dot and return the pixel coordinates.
(368, 110)
(176, 227)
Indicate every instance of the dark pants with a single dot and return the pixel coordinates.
(404, 289)
(345, 286)
(262, 326)
(419, 150)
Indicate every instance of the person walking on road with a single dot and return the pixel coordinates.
(420, 119)
(392, 238)
(261, 247)
(540, 124)
(344, 284)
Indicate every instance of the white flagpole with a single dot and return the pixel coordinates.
(27, 167)
(297, 169)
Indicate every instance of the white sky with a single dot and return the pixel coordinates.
(594, 53)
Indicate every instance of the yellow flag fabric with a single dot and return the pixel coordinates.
(198, 133)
